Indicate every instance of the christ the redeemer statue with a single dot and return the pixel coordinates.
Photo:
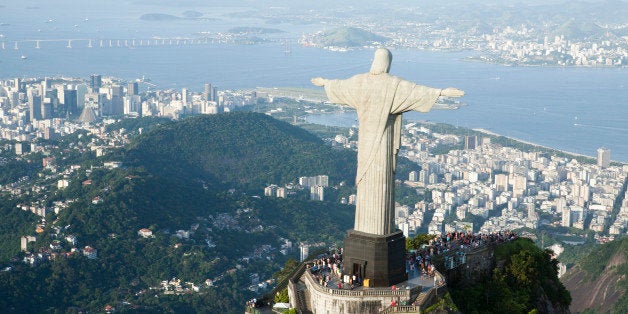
(379, 99)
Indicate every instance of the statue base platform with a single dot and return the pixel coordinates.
(378, 259)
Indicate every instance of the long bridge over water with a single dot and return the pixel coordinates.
(130, 42)
(107, 43)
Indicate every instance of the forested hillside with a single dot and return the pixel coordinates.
(195, 185)
(599, 281)
(239, 150)
(524, 279)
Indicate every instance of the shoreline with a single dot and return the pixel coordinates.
(537, 145)
(318, 96)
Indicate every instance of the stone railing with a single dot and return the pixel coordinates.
(376, 292)
(401, 309)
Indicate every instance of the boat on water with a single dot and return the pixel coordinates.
(23, 57)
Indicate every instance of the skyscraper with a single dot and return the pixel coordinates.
(470, 142)
(519, 186)
(115, 91)
(95, 82)
(207, 93)
(132, 88)
(603, 157)
(71, 102)
(47, 108)
(132, 105)
(317, 193)
(501, 182)
(81, 90)
(17, 83)
(34, 105)
(184, 96)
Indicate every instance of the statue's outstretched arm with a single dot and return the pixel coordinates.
(319, 81)
(452, 92)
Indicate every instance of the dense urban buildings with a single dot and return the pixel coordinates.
(507, 188)
(511, 189)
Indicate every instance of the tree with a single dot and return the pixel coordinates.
(420, 239)
(282, 296)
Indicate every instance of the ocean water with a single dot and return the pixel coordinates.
(573, 109)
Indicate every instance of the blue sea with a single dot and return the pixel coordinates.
(573, 109)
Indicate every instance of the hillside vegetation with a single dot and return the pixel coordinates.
(350, 37)
(598, 282)
(524, 279)
(183, 182)
(239, 150)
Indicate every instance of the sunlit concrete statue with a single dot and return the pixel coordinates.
(380, 99)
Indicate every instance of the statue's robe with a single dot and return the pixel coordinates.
(379, 99)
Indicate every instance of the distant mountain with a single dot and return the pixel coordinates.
(579, 30)
(239, 150)
(350, 37)
(598, 283)
(159, 17)
(254, 30)
(187, 15)
(192, 14)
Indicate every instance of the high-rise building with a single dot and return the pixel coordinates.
(565, 212)
(19, 148)
(603, 157)
(47, 108)
(501, 182)
(25, 240)
(34, 105)
(50, 104)
(519, 186)
(17, 83)
(132, 88)
(270, 190)
(45, 84)
(207, 93)
(432, 178)
(132, 105)
(116, 90)
(424, 176)
(81, 90)
(71, 102)
(95, 82)
(304, 251)
(320, 180)
(184, 96)
(317, 193)
(14, 98)
(413, 176)
(470, 142)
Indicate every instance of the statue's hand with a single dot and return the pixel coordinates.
(452, 92)
(318, 81)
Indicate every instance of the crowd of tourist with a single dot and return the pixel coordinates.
(421, 260)
(327, 268)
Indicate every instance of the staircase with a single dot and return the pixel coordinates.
(303, 298)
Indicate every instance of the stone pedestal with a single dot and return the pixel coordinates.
(378, 258)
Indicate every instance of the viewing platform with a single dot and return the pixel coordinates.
(319, 286)
(310, 293)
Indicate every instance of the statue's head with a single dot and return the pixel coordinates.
(381, 61)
